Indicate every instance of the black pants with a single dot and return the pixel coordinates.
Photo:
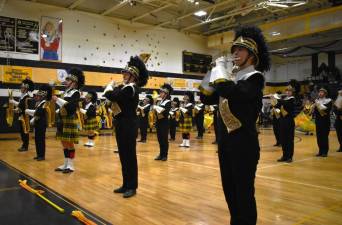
(322, 134)
(143, 128)
(162, 126)
(24, 137)
(216, 126)
(287, 127)
(39, 138)
(238, 157)
(173, 126)
(276, 129)
(199, 125)
(125, 131)
(338, 127)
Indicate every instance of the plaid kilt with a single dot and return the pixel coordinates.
(185, 125)
(91, 124)
(68, 129)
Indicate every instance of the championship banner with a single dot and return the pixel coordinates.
(27, 36)
(16, 74)
(51, 39)
(7, 34)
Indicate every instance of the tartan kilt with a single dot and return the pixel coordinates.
(185, 125)
(91, 124)
(68, 130)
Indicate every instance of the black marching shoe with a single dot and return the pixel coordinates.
(158, 158)
(282, 159)
(36, 157)
(67, 170)
(289, 160)
(340, 150)
(120, 190)
(164, 158)
(40, 158)
(22, 149)
(324, 155)
(129, 193)
(319, 155)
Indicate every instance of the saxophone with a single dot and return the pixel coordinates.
(10, 110)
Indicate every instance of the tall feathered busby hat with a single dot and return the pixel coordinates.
(295, 86)
(190, 95)
(28, 84)
(176, 100)
(150, 99)
(92, 95)
(251, 38)
(45, 91)
(167, 89)
(136, 67)
(76, 75)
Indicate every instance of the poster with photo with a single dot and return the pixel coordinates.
(51, 39)
(7, 34)
(27, 36)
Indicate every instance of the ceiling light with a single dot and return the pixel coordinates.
(275, 33)
(277, 5)
(200, 13)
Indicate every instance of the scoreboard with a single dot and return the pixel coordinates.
(196, 63)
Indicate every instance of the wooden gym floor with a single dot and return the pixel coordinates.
(187, 188)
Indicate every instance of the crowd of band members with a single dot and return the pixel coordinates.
(320, 109)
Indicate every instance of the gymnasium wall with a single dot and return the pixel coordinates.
(298, 68)
(102, 41)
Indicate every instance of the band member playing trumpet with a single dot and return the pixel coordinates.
(174, 118)
(238, 89)
(90, 122)
(67, 122)
(338, 120)
(162, 111)
(41, 119)
(287, 125)
(125, 100)
(143, 112)
(185, 121)
(24, 102)
(322, 108)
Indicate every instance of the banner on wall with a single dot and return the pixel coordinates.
(7, 34)
(15, 74)
(51, 39)
(27, 36)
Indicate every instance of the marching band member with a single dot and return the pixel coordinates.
(238, 89)
(162, 111)
(322, 119)
(143, 112)
(174, 118)
(41, 119)
(67, 121)
(199, 119)
(90, 121)
(24, 103)
(338, 120)
(287, 125)
(125, 100)
(275, 114)
(185, 122)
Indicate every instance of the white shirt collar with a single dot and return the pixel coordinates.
(245, 73)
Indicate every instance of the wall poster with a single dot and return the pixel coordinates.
(27, 36)
(51, 39)
(7, 34)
